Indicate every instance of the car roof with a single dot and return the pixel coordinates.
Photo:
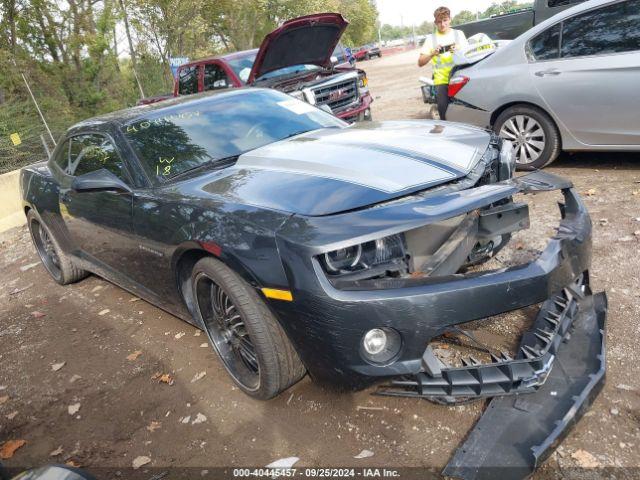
(569, 12)
(127, 115)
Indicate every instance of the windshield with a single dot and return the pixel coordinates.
(242, 68)
(217, 127)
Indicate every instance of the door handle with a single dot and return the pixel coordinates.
(553, 72)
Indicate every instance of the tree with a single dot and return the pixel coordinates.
(464, 16)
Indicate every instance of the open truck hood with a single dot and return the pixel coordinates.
(308, 40)
(333, 170)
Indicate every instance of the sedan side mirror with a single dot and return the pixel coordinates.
(99, 180)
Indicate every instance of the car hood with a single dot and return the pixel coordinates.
(338, 169)
(308, 40)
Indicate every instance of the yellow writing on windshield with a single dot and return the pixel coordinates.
(145, 124)
(163, 167)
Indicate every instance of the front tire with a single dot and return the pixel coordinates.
(534, 135)
(252, 345)
(57, 263)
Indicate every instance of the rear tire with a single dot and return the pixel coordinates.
(55, 261)
(252, 345)
(534, 135)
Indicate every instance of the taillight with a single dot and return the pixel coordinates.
(456, 84)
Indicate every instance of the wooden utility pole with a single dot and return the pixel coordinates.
(134, 63)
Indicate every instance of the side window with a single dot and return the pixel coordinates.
(215, 78)
(611, 29)
(92, 152)
(546, 45)
(561, 3)
(188, 81)
(62, 158)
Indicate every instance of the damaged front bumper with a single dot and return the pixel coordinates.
(560, 361)
(327, 319)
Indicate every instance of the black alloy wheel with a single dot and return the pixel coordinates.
(46, 249)
(228, 333)
(253, 347)
(59, 265)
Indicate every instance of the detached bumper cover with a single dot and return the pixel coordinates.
(515, 434)
(538, 351)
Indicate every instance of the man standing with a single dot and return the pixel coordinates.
(438, 49)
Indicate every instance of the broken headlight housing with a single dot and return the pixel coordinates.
(376, 254)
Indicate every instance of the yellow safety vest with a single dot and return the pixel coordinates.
(443, 63)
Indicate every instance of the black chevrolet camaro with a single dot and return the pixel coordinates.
(299, 243)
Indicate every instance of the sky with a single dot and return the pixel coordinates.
(414, 12)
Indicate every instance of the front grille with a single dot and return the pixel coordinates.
(337, 95)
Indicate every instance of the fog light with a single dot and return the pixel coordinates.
(375, 341)
(381, 345)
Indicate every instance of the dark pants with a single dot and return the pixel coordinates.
(442, 99)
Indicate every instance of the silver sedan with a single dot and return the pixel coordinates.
(570, 83)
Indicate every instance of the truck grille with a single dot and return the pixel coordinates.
(337, 95)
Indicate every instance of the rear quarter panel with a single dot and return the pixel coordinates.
(40, 192)
(39, 189)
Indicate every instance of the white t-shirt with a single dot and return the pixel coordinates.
(444, 39)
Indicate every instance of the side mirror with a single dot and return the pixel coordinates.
(334, 59)
(99, 180)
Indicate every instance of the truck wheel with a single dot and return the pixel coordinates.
(252, 345)
(534, 135)
(57, 263)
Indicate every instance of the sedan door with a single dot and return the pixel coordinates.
(98, 222)
(587, 71)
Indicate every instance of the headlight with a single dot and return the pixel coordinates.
(343, 259)
(364, 256)
(363, 83)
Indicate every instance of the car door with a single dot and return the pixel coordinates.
(98, 223)
(589, 79)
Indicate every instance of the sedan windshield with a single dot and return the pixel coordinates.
(215, 128)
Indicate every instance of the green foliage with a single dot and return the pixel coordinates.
(67, 50)
(464, 16)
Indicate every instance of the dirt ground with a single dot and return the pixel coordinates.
(77, 363)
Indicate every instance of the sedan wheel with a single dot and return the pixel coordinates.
(527, 137)
(535, 137)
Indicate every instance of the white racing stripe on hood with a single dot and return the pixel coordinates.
(380, 170)
(447, 147)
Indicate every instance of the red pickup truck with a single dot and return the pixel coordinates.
(296, 58)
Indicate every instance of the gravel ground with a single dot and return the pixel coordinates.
(80, 365)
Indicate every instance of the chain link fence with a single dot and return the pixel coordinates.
(22, 148)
